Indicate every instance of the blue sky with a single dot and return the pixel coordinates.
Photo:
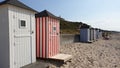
(103, 14)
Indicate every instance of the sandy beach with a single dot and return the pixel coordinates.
(100, 54)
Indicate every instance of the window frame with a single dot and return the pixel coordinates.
(20, 24)
(54, 28)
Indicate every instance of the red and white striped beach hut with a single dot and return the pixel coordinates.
(47, 35)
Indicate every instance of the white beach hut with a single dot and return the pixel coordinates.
(17, 34)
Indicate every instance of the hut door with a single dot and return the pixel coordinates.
(22, 42)
(54, 38)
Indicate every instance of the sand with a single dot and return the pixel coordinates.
(100, 54)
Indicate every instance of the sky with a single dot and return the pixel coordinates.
(104, 14)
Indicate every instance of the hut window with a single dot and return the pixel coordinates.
(22, 23)
(54, 28)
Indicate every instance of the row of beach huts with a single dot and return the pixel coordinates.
(27, 35)
(90, 34)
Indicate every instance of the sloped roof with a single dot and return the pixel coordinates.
(17, 3)
(85, 26)
(46, 13)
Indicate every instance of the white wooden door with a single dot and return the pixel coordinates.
(22, 41)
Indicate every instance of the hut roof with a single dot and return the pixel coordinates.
(46, 13)
(17, 3)
(85, 26)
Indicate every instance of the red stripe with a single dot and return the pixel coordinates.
(47, 37)
(42, 37)
(46, 40)
(37, 37)
(54, 37)
(59, 35)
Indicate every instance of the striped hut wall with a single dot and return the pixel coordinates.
(47, 38)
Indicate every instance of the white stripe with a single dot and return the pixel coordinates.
(41, 37)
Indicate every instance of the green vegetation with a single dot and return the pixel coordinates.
(68, 27)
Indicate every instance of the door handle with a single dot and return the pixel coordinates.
(32, 32)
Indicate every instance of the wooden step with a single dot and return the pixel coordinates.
(62, 57)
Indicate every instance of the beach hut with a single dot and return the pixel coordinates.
(100, 33)
(93, 34)
(47, 34)
(85, 33)
(17, 34)
(97, 33)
